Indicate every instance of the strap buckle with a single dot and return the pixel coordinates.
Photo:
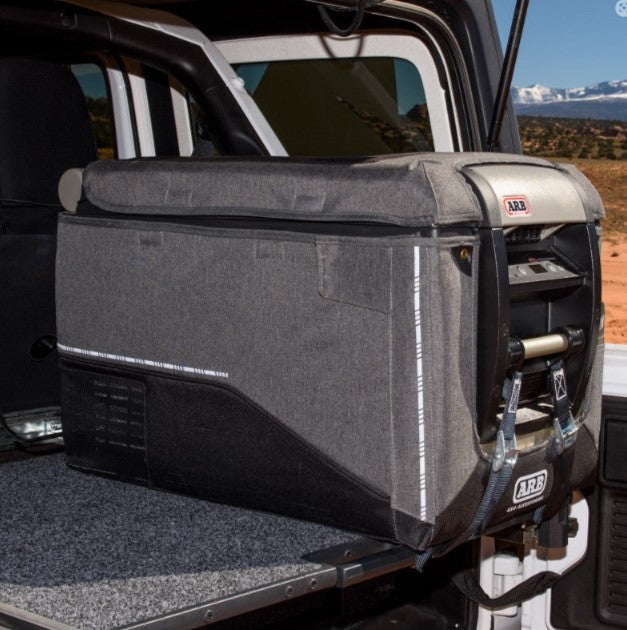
(505, 452)
(565, 432)
(506, 448)
(564, 424)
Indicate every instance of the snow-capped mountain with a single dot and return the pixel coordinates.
(607, 100)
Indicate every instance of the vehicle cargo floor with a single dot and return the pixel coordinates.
(91, 553)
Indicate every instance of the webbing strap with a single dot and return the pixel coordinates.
(538, 515)
(503, 462)
(564, 424)
(537, 584)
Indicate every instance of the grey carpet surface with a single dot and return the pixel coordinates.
(95, 553)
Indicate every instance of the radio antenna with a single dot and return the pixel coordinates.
(507, 72)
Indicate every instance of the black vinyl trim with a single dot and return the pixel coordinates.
(593, 596)
(210, 441)
(234, 133)
(161, 112)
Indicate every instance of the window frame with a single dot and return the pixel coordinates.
(103, 64)
(118, 96)
(380, 44)
(128, 99)
(133, 104)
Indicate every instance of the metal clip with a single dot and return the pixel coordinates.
(505, 452)
(565, 433)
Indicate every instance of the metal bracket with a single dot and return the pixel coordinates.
(363, 560)
(34, 425)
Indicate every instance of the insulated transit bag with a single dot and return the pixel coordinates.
(408, 347)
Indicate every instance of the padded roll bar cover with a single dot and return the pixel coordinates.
(71, 188)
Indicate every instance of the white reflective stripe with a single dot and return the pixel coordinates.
(422, 477)
(143, 362)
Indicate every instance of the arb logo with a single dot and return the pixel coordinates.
(530, 486)
(517, 206)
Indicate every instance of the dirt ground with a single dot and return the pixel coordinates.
(610, 178)
(613, 263)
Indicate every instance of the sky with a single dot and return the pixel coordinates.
(91, 79)
(568, 43)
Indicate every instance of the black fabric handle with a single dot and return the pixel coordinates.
(353, 26)
(537, 584)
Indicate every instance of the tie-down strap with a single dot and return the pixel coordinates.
(506, 452)
(564, 423)
(503, 461)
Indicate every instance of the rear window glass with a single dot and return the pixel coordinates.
(92, 81)
(342, 107)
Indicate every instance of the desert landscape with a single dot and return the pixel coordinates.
(598, 148)
(610, 178)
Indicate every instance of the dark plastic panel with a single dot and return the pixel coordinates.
(594, 594)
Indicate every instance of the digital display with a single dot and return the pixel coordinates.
(537, 269)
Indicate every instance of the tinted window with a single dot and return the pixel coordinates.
(93, 84)
(342, 107)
